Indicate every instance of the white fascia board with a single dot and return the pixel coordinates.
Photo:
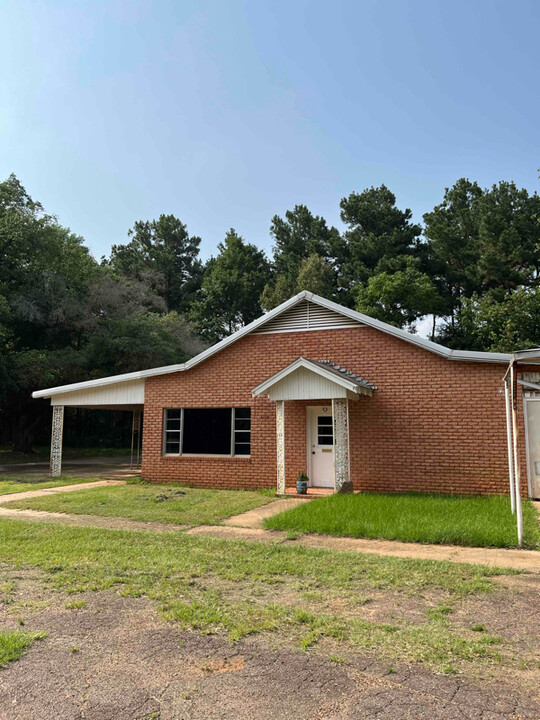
(478, 356)
(304, 295)
(410, 337)
(312, 367)
(532, 355)
(201, 357)
(126, 377)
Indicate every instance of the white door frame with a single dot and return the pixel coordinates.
(527, 453)
(311, 412)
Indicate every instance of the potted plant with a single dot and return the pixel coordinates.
(301, 483)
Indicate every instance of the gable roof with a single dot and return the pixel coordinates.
(325, 368)
(304, 296)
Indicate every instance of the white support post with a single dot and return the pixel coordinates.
(136, 440)
(280, 446)
(56, 440)
(519, 512)
(509, 444)
(340, 417)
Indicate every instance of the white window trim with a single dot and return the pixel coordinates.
(181, 453)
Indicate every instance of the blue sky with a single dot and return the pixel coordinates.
(226, 113)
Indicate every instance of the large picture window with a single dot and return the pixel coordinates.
(207, 431)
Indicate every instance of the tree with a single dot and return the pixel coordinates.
(64, 317)
(502, 326)
(231, 288)
(314, 274)
(481, 243)
(378, 231)
(298, 236)
(163, 255)
(400, 297)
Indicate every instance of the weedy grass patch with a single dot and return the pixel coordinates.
(148, 502)
(244, 588)
(435, 519)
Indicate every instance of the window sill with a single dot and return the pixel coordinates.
(205, 457)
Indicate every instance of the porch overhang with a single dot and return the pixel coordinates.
(306, 379)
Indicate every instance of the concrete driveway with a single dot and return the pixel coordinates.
(110, 468)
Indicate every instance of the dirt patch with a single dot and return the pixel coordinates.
(116, 659)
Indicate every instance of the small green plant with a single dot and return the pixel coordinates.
(338, 660)
(73, 649)
(478, 628)
(75, 605)
(302, 477)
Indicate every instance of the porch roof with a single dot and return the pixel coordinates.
(306, 379)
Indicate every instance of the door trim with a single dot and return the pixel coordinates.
(311, 411)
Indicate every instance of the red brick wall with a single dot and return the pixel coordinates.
(432, 425)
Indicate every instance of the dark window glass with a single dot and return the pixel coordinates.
(242, 412)
(207, 432)
(242, 449)
(325, 430)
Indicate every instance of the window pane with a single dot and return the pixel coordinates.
(173, 414)
(325, 431)
(242, 437)
(173, 424)
(324, 419)
(242, 449)
(172, 448)
(242, 412)
(326, 440)
(242, 424)
(207, 431)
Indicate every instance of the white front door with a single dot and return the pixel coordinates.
(532, 408)
(320, 437)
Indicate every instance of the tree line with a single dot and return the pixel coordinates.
(473, 266)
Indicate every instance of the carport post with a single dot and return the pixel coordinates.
(517, 483)
(56, 440)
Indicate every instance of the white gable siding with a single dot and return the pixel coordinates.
(306, 316)
(122, 394)
(303, 384)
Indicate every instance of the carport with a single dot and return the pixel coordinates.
(120, 392)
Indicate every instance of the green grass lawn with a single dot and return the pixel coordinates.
(168, 503)
(20, 483)
(243, 588)
(475, 522)
(13, 644)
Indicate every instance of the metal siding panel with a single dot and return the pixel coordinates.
(126, 393)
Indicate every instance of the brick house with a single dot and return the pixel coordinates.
(318, 388)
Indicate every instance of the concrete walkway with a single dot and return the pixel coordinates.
(97, 521)
(58, 489)
(247, 526)
(528, 560)
(254, 518)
